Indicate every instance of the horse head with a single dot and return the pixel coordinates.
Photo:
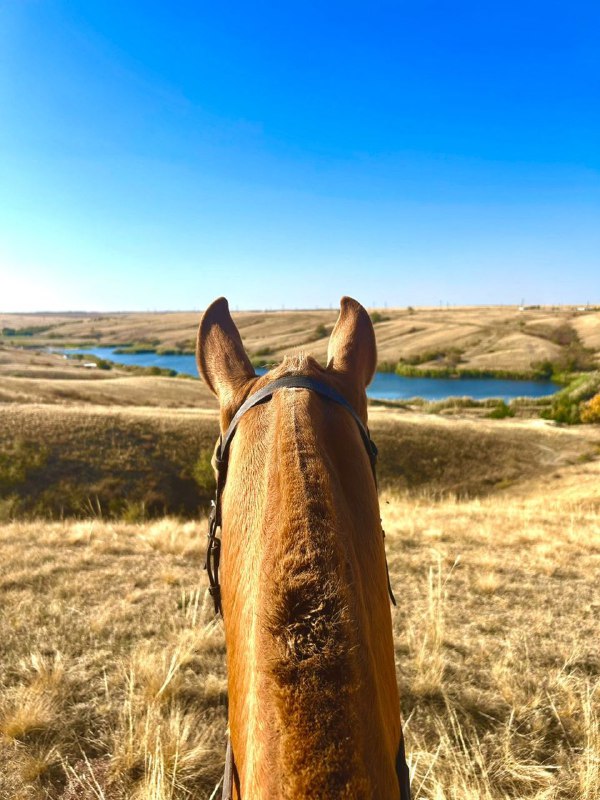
(313, 702)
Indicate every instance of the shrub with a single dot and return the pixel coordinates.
(10, 507)
(18, 461)
(445, 357)
(30, 330)
(203, 472)
(590, 411)
(543, 370)
(564, 409)
(163, 371)
(564, 335)
(377, 316)
(134, 511)
(501, 411)
(569, 404)
(386, 366)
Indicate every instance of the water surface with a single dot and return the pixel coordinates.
(385, 385)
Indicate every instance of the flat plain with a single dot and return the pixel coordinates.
(112, 666)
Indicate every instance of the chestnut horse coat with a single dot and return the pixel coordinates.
(313, 701)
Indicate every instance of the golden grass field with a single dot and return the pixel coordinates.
(113, 679)
(112, 666)
(491, 337)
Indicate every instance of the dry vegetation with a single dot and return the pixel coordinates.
(493, 337)
(112, 672)
(135, 463)
(113, 682)
(31, 376)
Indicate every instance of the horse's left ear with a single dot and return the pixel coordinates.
(220, 354)
(352, 349)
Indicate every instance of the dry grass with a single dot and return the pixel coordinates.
(497, 642)
(102, 461)
(34, 376)
(497, 337)
(113, 683)
(137, 463)
(113, 679)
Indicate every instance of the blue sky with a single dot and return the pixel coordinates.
(156, 155)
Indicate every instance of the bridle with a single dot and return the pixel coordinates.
(213, 550)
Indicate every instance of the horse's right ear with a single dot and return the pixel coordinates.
(220, 355)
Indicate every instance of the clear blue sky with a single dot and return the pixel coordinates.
(156, 155)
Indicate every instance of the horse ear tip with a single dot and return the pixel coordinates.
(217, 311)
(347, 303)
(219, 304)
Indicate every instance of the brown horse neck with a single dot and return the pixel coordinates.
(310, 694)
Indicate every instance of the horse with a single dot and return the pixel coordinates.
(313, 699)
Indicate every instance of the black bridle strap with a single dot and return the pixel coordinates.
(296, 382)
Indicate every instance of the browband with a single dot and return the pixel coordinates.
(295, 382)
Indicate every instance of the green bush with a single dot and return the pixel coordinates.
(163, 371)
(543, 370)
(377, 316)
(320, 332)
(134, 511)
(501, 411)
(567, 406)
(203, 472)
(17, 463)
(564, 409)
(386, 366)
(30, 330)
(10, 508)
(448, 358)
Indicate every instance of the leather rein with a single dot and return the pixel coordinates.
(213, 550)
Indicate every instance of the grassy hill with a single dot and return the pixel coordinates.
(107, 461)
(473, 338)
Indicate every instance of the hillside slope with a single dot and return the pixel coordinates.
(114, 461)
(498, 337)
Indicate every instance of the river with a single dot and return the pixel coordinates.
(385, 385)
